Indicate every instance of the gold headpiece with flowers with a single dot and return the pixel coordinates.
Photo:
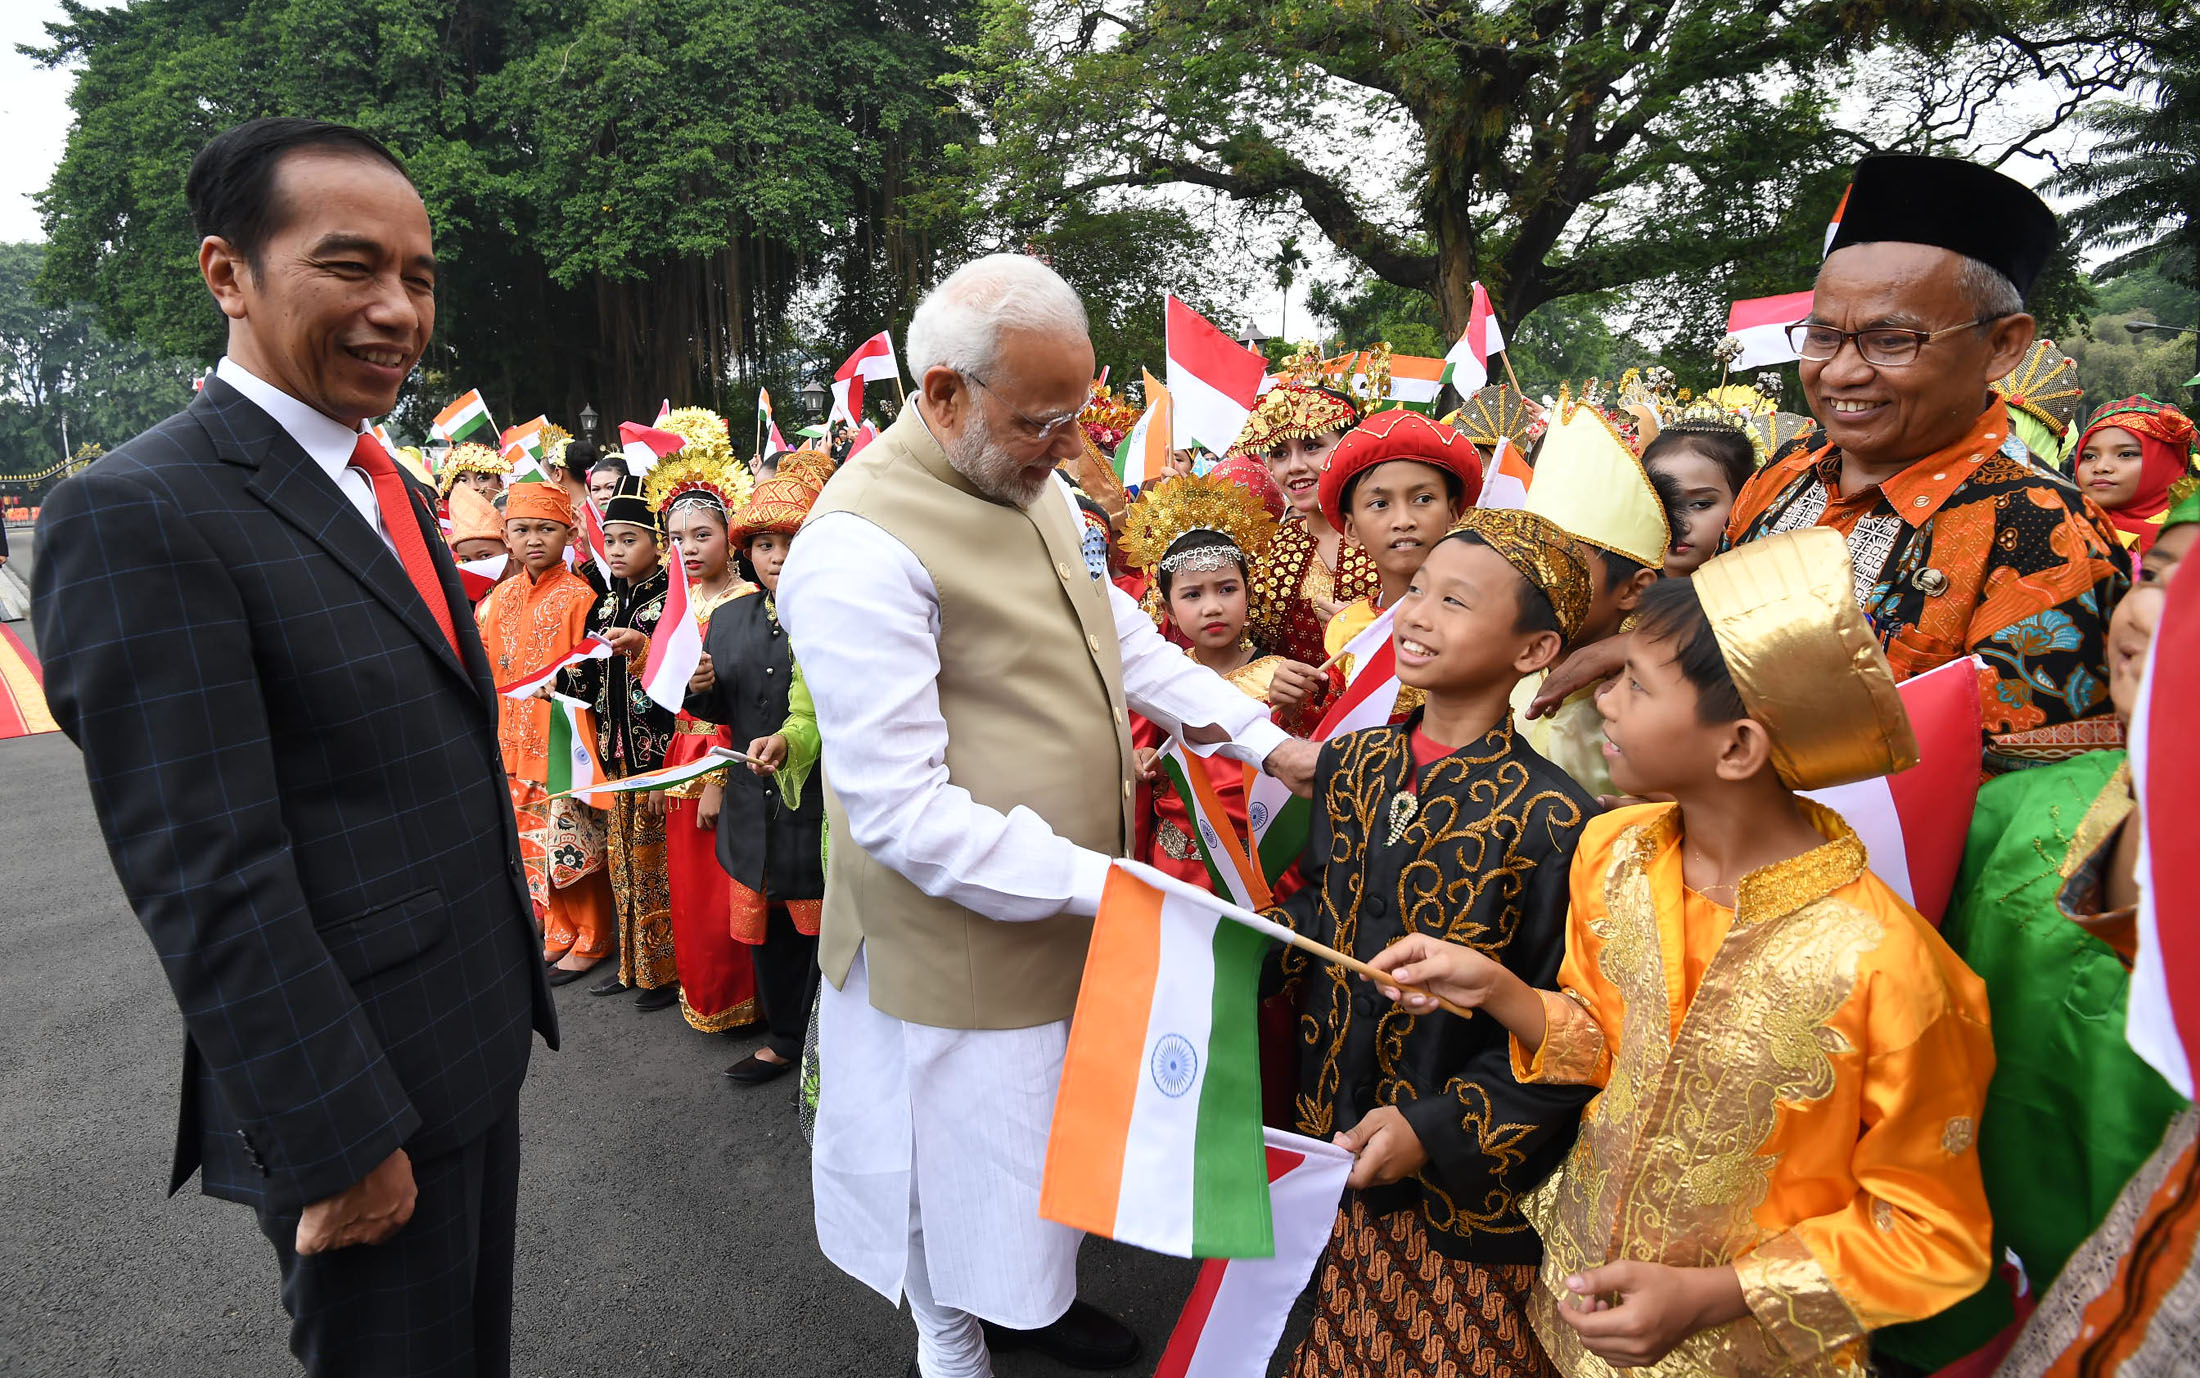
(1167, 512)
(554, 440)
(709, 440)
(1301, 404)
(469, 457)
(685, 477)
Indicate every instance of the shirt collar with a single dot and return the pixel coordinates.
(1775, 891)
(1919, 492)
(328, 442)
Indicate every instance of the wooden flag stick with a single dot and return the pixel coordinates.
(1161, 880)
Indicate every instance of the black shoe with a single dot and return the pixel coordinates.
(612, 986)
(914, 1371)
(744, 1030)
(755, 1071)
(566, 976)
(1085, 1337)
(659, 998)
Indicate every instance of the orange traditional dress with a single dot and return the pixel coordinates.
(1792, 1087)
(1164, 829)
(717, 974)
(527, 624)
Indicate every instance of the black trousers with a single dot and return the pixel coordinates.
(435, 1300)
(786, 981)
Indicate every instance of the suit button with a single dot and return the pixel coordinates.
(1061, 569)
(1126, 789)
(1094, 642)
(767, 669)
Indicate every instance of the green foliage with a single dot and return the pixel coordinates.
(1369, 310)
(63, 382)
(1121, 262)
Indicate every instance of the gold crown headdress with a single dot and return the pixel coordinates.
(708, 439)
(554, 440)
(468, 457)
(1500, 412)
(2044, 386)
(1306, 401)
(1165, 514)
(685, 477)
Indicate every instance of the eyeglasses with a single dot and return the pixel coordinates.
(1885, 345)
(1039, 429)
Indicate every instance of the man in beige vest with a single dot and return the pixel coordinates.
(973, 683)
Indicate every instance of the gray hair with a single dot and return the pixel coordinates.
(959, 323)
(1988, 289)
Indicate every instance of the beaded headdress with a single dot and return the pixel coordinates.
(1559, 566)
(689, 479)
(1498, 413)
(2044, 386)
(1170, 511)
(1299, 406)
(469, 458)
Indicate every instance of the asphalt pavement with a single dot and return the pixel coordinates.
(665, 1223)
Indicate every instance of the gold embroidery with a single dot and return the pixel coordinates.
(1957, 1138)
(2103, 817)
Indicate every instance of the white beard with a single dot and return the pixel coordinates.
(995, 474)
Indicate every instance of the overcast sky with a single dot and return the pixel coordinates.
(34, 117)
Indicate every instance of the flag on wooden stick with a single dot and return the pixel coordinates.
(570, 764)
(1144, 453)
(466, 420)
(676, 647)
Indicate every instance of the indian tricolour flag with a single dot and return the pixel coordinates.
(2162, 1021)
(676, 646)
(1833, 226)
(1144, 453)
(1505, 482)
(465, 420)
(1157, 1138)
(523, 446)
(767, 426)
(1236, 1313)
(1467, 366)
(1761, 325)
(1278, 818)
(663, 778)
(1229, 867)
(570, 765)
(1913, 824)
(1213, 381)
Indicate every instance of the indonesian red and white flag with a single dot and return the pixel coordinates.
(664, 409)
(480, 576)
(589, 647)
(1213, 381)
(1235, 1315)
(1144, 453)
(1913, 823)
(1467, 366)
(1277, 819)
(591, 541)
(865, 434)
(1505, 482)
(872, 361)
(676, 647)
(1761, 324)
(644, 445)
(845, 408)
(2162, 1020)
(1833, 226)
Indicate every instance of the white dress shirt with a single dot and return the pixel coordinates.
(863, 618)
(327, 442)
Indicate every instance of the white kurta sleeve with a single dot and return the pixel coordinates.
(863, 617)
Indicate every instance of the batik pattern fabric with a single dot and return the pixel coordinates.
(1974, 550)
(1387, 1305)
(633, 730)
(2128, 1306)
(1791, 1087)
(1473, 849)
(2072, 1111)
(1290, 585)
(642, 887)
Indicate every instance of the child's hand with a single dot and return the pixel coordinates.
(1435, 968)
(770, 754)
(707, 807)
(705, 676)
(1385, 1149)
(626, 641)
(1143, 762)
(1295, 685)
(1633, 1314)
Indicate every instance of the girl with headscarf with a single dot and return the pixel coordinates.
(2132, 453)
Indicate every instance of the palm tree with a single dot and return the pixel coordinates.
(2142, 180)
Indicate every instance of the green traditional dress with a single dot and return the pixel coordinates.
(2072, 1111)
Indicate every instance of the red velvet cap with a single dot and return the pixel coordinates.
(1398, 434)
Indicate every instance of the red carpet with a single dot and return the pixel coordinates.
(22, 690)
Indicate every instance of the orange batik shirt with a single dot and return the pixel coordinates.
(525, 625)
(1791, 1087)
(1974, 550)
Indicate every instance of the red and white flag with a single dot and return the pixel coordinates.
(1761, 324)
(767, 425)
(1833, 226)
(1236, 1312)
(1213, 381)
(872, 361)
(480, 576)
(589, 647)
(676, 647)
(644, 445)
(1913, 824)
(591, 541)
(664, 409)
(1505, 482)
(2162, 1020)
(865, 434)
(1467, 366)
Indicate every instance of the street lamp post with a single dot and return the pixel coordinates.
(588, 422)
(2142, 327)
(815, 397)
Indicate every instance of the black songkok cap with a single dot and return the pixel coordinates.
(1950, 204)
(628, 505)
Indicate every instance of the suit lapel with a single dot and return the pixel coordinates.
(297, 490)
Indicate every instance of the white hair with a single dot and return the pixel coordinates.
(959, 323)
(1991, 294)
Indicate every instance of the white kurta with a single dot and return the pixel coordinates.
(950, 1123)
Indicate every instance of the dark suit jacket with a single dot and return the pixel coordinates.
(300, 787)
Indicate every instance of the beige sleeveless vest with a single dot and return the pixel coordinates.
(1031, 686)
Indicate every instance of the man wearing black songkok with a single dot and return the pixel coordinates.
(1962, 544)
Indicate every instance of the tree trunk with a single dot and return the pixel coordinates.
(1458, 263)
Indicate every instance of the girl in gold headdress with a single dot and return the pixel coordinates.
(1789, 1061)
(1311, 569)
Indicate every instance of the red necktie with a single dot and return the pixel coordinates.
(398, 519)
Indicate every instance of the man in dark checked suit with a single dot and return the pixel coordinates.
(253, 630)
